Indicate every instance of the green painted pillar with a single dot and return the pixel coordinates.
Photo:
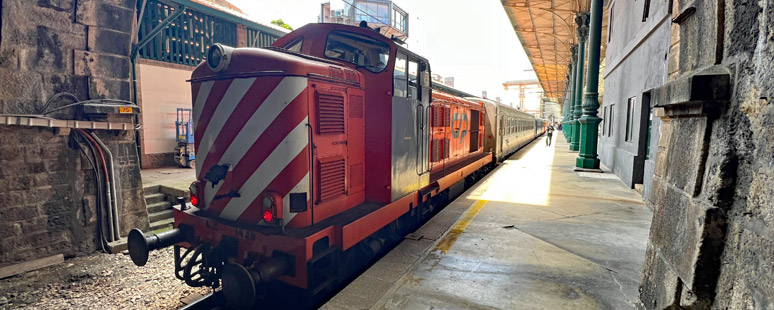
(569, 99)
(589, 122)
(583, 30)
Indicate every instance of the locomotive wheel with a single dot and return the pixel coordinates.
(238, 287)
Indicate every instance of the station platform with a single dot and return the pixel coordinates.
(533, 234)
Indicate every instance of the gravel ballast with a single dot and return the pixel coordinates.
(99, 282)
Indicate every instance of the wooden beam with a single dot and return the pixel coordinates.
(12, 270)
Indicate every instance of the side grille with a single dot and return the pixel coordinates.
(330, 113)
(332, 172)
(437, 116)
(356, 106)
(437, 150)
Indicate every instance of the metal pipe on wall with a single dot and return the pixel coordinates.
(111, 188)
(95, 145)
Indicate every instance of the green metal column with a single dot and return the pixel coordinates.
(568, 117)
(566, 107)
(583, 31)
(589, 121)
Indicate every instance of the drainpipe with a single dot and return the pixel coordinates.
(136, 52)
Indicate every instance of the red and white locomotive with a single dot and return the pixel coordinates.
(313, 156)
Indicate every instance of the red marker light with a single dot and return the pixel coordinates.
(268, 216)
(194, 200)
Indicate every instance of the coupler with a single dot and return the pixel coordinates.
(140, 246)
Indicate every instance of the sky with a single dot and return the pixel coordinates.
(473, 41)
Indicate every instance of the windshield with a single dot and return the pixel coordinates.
(357, 49)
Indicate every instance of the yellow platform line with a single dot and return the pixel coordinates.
(456, 231)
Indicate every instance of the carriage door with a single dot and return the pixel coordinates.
(410, 128)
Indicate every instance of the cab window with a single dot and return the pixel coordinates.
(400, 76)
(357, 49)
(413, 85)
(294, 46)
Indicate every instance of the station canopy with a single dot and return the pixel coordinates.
(547, 30)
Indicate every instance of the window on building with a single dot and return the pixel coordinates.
(646, 11)
(399, 20)
(630, 106)
(650, 127)
(604, 120)
(357, 49)
(400, 76)
(612, 120)
(372, 12)
(610, 22)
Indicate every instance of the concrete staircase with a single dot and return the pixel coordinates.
(159, 208)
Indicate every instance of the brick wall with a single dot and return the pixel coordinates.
(47, 202)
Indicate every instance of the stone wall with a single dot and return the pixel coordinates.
(711, 243)
(46, 186)
(48, 193)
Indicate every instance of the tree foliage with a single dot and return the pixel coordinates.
(282, 24)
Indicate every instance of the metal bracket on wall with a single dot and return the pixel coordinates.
(32, 121)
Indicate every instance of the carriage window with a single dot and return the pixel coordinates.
(400, 78)
(357, 49)
(294, 46)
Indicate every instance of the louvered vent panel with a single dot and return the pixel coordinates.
(330, 113)
(437, 150)
(332, 174)
(356, 175)
(447, 117)
(356, 106)
(438, 116)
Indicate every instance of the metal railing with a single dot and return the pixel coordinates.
(186, 39)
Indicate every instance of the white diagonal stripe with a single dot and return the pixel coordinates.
(283, 154)
(301, 187)
(236, 91)
(201, 100)
(275, 103)
(286, 91)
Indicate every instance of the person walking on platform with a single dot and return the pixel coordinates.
(549, 133)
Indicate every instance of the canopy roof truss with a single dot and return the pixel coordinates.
(547, 30)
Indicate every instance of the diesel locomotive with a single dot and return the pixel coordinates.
(314, 156)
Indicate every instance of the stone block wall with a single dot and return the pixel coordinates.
(711, 243)
(47, 191)
(49, 194)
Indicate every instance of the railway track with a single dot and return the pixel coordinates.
(211, 301)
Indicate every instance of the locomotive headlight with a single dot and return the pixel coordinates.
(219, 57)
(194, 190)
(269, 207)
(267, 202)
